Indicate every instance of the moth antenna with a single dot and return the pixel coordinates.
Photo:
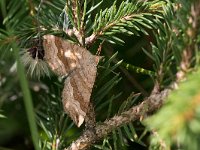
(37, 19)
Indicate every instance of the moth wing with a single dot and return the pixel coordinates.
(77, 92)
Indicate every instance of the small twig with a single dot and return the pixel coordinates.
(31, 7)
(78, 29)
(192, 33)
(90, 121)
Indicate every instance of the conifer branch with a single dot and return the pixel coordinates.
(77, 16)
(192, 33)
(89, 137)
(129, 18)
(150, 104)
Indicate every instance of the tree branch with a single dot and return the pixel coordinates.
(89, 137)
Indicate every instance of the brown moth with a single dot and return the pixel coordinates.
(64, 57)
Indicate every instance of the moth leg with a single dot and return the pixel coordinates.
(63, 77)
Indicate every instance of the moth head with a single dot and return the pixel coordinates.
(33, 59)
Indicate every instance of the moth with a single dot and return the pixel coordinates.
(64, 57)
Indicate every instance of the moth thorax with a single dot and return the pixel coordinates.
(36, 51)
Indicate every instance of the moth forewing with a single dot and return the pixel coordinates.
(63, 57)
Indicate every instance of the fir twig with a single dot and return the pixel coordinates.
(151, 103)
(77, 18)
(129, 18)
(192, 33)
